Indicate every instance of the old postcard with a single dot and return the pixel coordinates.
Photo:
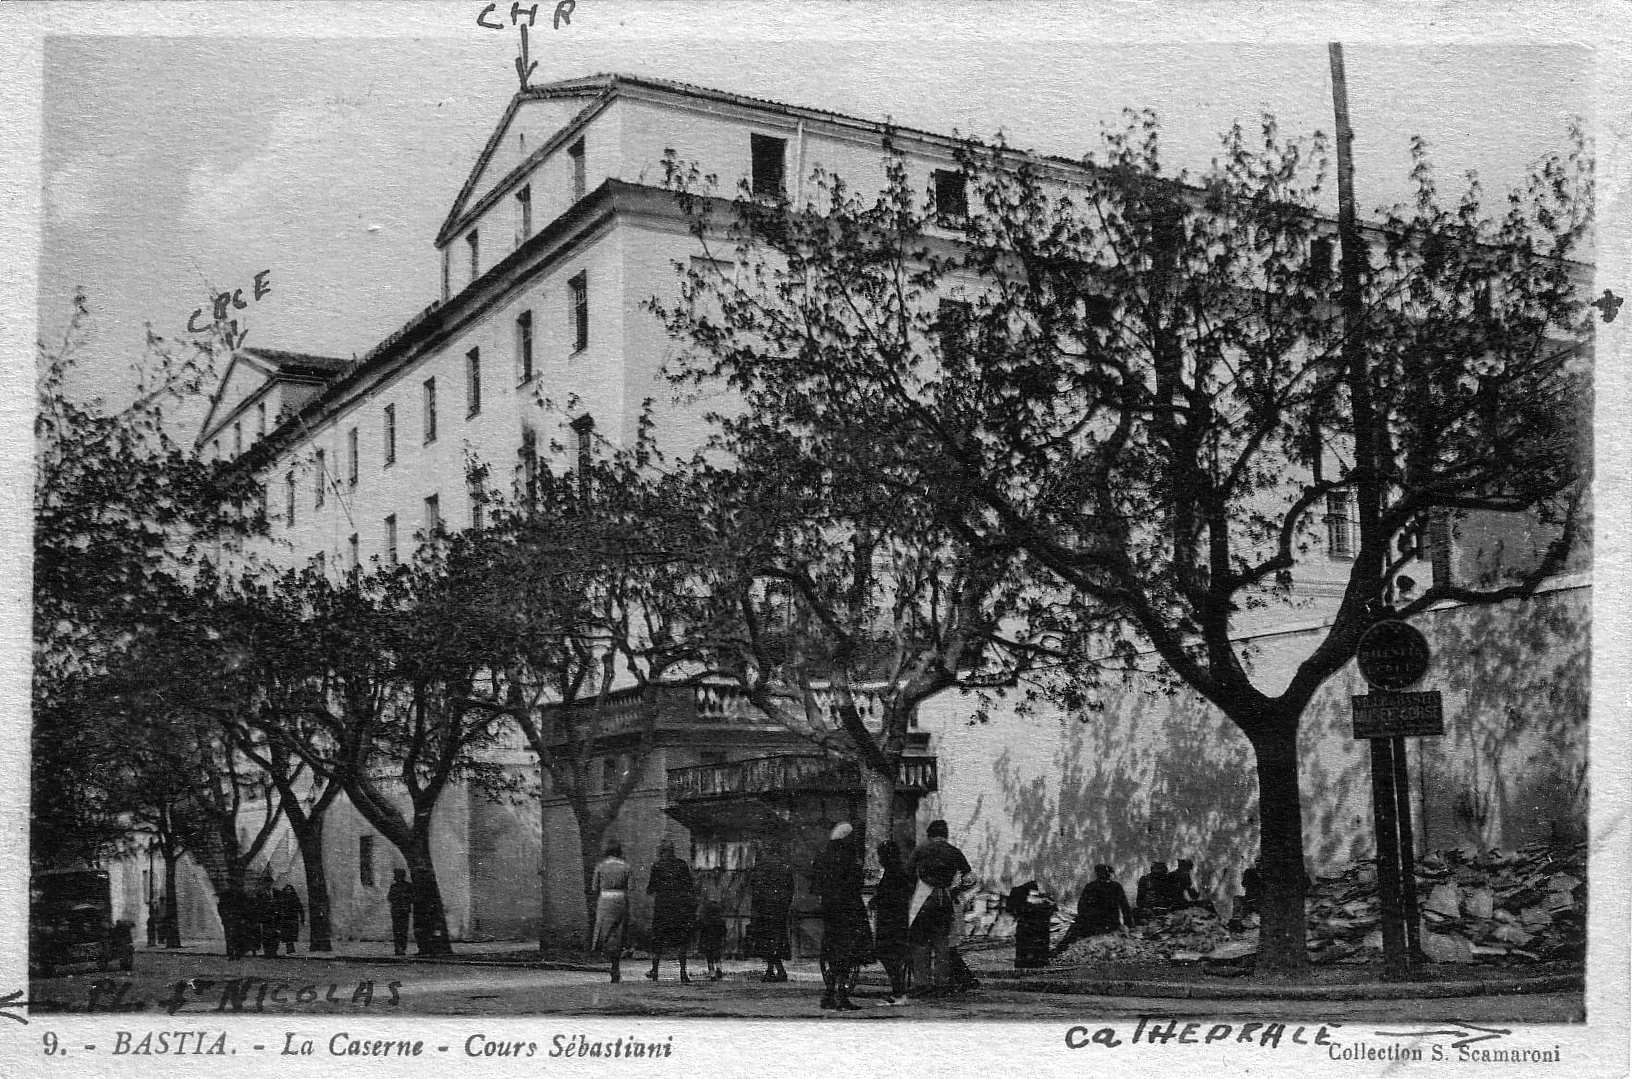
(608, 536)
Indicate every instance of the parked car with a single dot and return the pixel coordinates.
(70, 924)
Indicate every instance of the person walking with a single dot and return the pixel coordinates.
(400, 899)
(266, 917)
(891, 901)
(770, 888)
(711, 936)
(1103, 908)
(674, 909)
(231, 907)
(836, 878)
(291, 913)
(611, 886)
(939, 870)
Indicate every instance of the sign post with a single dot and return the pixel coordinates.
(1393, 655)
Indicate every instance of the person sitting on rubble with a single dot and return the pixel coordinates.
(1103, 908)
(1252, 888)
(1153, 893)
(1183, 884)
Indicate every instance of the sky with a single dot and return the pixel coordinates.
(174, 165)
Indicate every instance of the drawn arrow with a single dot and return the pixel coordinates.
(14, 999)
(524, 70)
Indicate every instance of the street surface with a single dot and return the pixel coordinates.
(195, 985)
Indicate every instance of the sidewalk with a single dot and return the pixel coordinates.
(994, 967)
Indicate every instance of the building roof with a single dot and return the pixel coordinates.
(298, 364)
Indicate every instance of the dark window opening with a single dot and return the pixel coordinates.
(524, 345)
(430, 410)
(390, 434)
(769, 165)
(473, 382)
(578, 290)
(951, 194)
(365, 860)
(584, 428)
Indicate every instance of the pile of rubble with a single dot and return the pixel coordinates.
(1521, 906)
(1505, 907)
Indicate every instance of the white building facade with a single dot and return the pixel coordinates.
(541, 338)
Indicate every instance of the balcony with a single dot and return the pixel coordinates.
(701, 705)
(790, 774)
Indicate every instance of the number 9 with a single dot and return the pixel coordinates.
(50, 1044)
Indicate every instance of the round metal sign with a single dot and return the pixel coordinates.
(1392, 655)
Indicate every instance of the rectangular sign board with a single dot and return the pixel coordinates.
(1398, 715)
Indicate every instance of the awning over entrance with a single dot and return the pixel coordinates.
(744, 815)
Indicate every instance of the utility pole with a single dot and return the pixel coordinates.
(1390, 777)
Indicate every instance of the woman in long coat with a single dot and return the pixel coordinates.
(290, 913)
(674, 909)
(611, 886)
(846, 940)
(891, 901)
(770, 886)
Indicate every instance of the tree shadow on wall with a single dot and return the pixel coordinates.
(1152, 777)
(1512, 766)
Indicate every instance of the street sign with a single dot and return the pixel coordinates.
(1398, 715)
(1392, 655)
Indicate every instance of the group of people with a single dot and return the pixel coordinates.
(260, 921)
(1104, 908)
(914, 908)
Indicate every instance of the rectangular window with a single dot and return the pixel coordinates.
(289, 499)
(322, 561)
(321, 477)
(266, 502)
(769, 164)
(951, 194)
(260, 420)
(524, 346)
(529, 465)
(351, 457)
(390, 434)
(430, 410)
(1339, 525)
(447, 273)
(580, 179)
(391, 540)
(237, 439)
(478, 508)
(584, 427)
(433, 515)
(365, 860)
(1439, 548)
(353, 551)
(1320, 258)
(524, 214)
(578, 292)
(473, 242)
(473, 382)
(952, 321)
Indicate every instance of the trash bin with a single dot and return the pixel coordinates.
(1033, 914)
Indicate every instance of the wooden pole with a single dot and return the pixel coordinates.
(1408, 856)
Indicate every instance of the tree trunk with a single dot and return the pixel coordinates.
(172, 919)
(880, 787)
(1281, 934)
(309, 838)
(430, 918)
(591, 829)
